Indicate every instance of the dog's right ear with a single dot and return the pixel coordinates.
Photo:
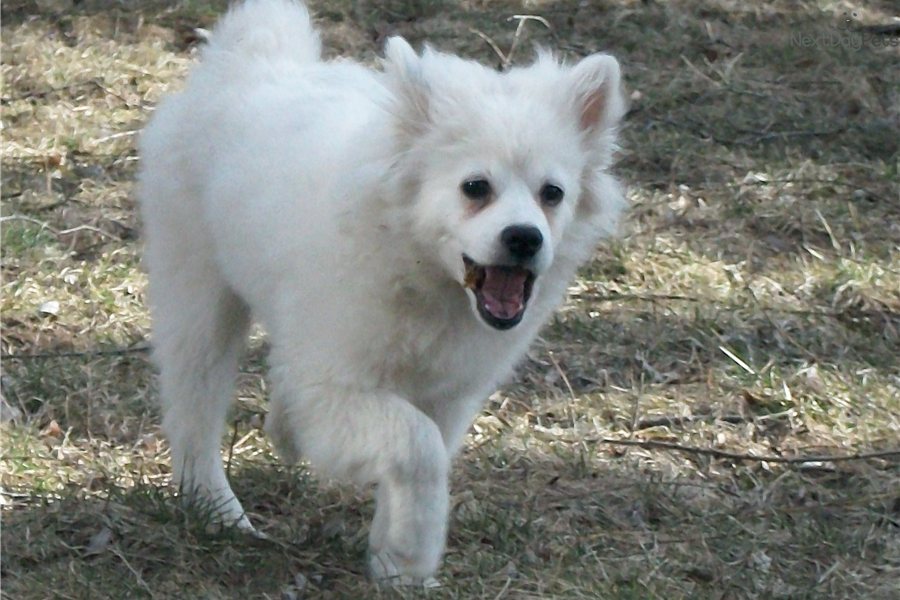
(407, 82)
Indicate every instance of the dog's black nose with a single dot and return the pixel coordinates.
(522, 241)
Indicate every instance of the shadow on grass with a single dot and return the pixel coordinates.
(552, 521)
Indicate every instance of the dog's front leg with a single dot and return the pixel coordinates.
(376, 437)
(408, 532)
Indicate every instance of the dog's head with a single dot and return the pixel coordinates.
(502, 164)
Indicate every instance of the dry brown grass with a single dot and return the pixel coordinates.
(753, 308)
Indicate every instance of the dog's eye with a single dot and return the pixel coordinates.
(476, 189)
(551, 195)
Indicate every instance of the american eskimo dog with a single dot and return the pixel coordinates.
(401, 234)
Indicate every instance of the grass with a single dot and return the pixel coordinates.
(753, 307)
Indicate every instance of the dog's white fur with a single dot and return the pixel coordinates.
(324, 199)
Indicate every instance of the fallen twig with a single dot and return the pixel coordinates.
(43, 225)
(656, 444)
(87, 353)
(520, 27)
(562, 374)
(57, 232)
(775, 135)
(116, 136)
(32, 95)
(492, 44)
(91, 228)
(667, 421)
(506, 58)
(137, 574)
(596, 296)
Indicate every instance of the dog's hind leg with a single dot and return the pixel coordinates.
(200, 328)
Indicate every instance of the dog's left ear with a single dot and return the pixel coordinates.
(406, 80)
(599, 101)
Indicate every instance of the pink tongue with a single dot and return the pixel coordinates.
(503, 291)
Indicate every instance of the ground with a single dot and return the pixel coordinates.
(751, 309)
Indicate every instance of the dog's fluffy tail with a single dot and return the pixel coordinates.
(280, 29)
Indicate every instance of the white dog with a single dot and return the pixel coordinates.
(401, 235)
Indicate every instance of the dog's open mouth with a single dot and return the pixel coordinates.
(501, 292)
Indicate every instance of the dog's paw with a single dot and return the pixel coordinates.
(221, 521)
(247, 528)
(427, 583)
(391, 569)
